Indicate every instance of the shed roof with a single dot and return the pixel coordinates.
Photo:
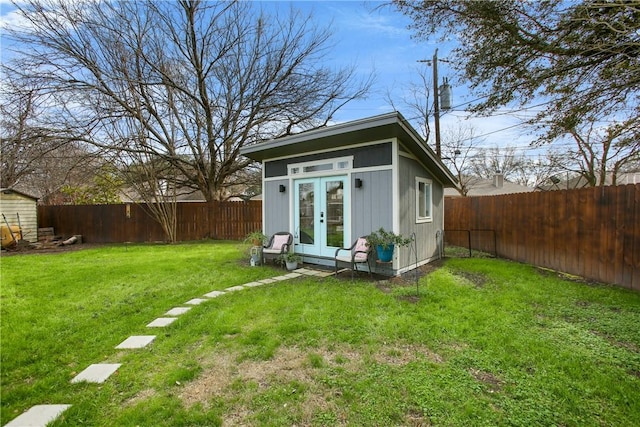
(390, 125)
(13, 190)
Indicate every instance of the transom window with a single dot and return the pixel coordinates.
(338, 164)
(423, 200)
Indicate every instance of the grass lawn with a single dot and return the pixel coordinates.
(486, 342)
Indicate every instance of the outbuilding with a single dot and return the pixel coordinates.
(331, 185)
(20, 212)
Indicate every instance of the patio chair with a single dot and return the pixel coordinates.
(278, 244)
(358, 253)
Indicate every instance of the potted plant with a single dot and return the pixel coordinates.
(385, 242)
(257, 238)
(291, 260)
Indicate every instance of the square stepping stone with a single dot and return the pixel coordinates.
(266, 281)
(235, 288)
(280, 278)
(161, 322)
(137, 341)
(314, 273)
(292, 275)
(97, 373)
(195, 301)
(214, 294)
(253, 284)
(325, 274)
(38, 416)
(177, 311)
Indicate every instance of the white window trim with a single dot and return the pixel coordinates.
(332, 161)
(419, 218)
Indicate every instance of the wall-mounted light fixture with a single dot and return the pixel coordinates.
(358, 183)
(282, 188)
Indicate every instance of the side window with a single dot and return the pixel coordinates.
(423, 200)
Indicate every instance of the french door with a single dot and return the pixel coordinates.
(321, 215)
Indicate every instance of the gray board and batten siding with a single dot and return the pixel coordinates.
(370, 205)
(426, 232)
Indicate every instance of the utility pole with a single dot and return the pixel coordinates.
(436, 103)
(446, 101)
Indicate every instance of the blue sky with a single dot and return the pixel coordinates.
(376, 39)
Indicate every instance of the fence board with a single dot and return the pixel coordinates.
(592, 232)
(111, 224)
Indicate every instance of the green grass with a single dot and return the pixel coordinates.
(486, 342)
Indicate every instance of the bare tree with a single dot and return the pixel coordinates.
(602, 152)
(24, 138)
(39, 155)
(203, 79)
(415, 98)
(458, 150)
(580, 57)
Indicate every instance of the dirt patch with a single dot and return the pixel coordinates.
(49, 249)
(239, 383)
(634, 373)
(415, 418)
(402, 355)
(611, 340)
(493, 383)
(478, 280)
(141, 396)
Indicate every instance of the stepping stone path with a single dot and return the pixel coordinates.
(41, 415)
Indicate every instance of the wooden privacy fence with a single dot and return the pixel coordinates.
(591, 232)
(131, 223)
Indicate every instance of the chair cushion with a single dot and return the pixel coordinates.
(279, 240)
(360, 257)
(343, 258)
(361, 246)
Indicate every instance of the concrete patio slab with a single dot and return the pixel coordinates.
(38, 416)
(214, 294)
(177, 311)
(235, 288)
(195, 301)
(97, 373)
(161, 322)
(137, 341)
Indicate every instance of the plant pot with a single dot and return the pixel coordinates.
(385, 255)
(291, 265)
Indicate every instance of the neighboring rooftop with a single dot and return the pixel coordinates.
(489, 187)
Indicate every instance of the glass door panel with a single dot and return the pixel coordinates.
(306, 214)
(334, 229)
